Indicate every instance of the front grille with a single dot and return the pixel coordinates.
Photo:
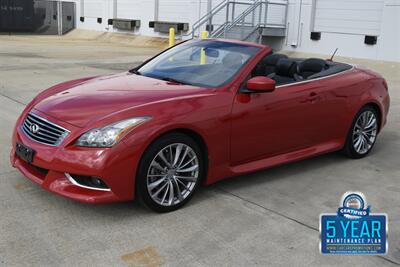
(43, 131)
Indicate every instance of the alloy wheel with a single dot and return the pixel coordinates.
(173, 174)
(364, 132)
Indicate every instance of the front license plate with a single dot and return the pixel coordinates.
(24, 152)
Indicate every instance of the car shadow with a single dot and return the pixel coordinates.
(263, 177)
(284, 171)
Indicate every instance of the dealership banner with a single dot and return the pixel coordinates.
(353, 229)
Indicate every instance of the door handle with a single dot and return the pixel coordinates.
(313, 96)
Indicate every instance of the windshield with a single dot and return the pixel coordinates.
(203, 63)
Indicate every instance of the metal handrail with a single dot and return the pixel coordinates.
(232, 21)
(220, 28)
(254, 26)
(240, 19)
(213, 12)
(244, 15)
(207, 17)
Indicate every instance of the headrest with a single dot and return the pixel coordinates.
(273, 59)
(312, 65)
(232, 60)
(286, 67)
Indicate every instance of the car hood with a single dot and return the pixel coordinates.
(93, 99)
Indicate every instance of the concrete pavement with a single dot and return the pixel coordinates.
(267, 218)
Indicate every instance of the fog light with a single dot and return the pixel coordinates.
(97, 182)
(89, 182)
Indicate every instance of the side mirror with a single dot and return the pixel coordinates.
(261, 84)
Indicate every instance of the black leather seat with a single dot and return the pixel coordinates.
(267, 65)
(311, 66)
(285, 71)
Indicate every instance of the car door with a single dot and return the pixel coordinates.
(331, 110)
(274, 123)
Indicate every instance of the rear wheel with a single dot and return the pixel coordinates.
(169, 173)
(363, 133)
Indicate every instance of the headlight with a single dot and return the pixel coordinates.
(110, 134)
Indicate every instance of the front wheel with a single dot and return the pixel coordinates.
(363, 133)
(169, 173)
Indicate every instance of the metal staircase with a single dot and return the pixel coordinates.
(246, 20)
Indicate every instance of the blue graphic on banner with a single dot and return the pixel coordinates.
(353, 229)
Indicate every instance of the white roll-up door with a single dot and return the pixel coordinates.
(178, 10)
(348, 16)
(94, 8)
(132, 9)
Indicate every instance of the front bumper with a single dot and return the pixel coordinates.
(116, 166)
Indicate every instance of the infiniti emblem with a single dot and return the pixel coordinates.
(34, 128)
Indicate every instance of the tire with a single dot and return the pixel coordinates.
(162, 187)
(363, 133)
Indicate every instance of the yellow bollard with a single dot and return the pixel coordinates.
(171, 37)
(204, 35)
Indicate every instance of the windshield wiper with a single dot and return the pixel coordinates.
(135, 71)
(174, 80)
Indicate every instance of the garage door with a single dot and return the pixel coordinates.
(132, 9)
(94, 8)
(348, 16)
(178, 10)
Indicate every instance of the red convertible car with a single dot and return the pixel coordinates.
(194, 114)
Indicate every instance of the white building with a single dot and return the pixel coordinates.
(359, 28)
